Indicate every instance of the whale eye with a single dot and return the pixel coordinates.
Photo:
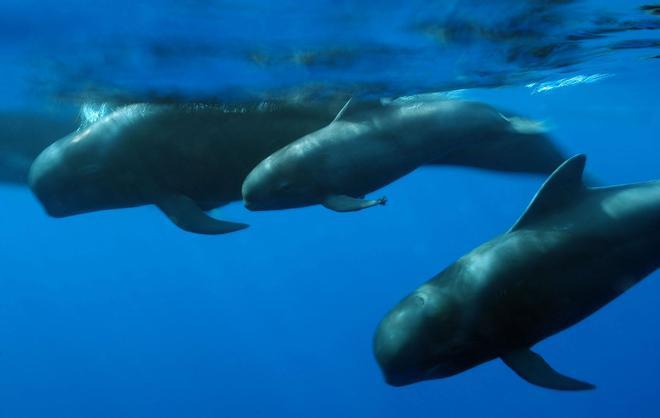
(89, 170)
(419, 300)
(285, 186)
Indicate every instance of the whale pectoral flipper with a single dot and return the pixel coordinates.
(187, 215)
(535, 370)
(343, 203)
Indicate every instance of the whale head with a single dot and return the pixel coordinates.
(421, 338)
(286, 179)
(73, 176)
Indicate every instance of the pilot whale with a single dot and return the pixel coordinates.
(187, 159)
(364, 150)
(573, 251)
(184, 158)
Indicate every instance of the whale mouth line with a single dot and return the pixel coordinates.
(57, 214)
(432, 371)
(402, 380)
(252, 205)
(248, 204)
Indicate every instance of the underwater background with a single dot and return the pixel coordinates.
(121, 314)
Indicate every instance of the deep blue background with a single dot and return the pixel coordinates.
(120, 314)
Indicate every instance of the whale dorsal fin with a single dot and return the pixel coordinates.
(534, 369)
(561, 188)
(341, 112)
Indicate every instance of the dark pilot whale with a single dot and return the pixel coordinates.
(188, 159)
(362, 151)
(574, 250)
(184, 158)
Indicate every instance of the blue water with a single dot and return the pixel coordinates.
(120, 314)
